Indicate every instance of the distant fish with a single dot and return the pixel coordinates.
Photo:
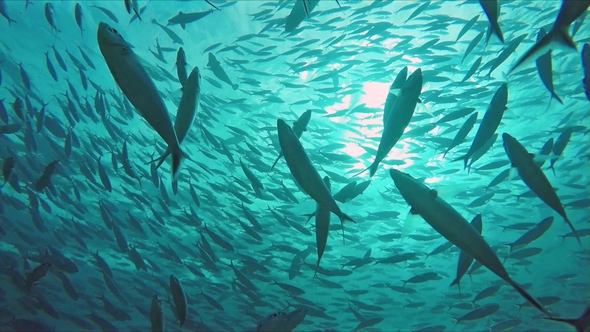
(558, 35)
(218, 71)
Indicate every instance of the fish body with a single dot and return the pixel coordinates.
(78, 17)
(139, 88)
(181, 66)
(545, 69)
(157, 315)
(489, 123)
(218, 71)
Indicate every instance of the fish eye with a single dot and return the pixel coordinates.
(114, 31)
(275, 315)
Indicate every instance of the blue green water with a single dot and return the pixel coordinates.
(339, 63)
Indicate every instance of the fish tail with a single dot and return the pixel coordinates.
(177, 158)
(562, 36)
(344, 217)
(528, 297)
(364, 170)
(569, 223)
(573, 322)
(556, 97)
(373, 168)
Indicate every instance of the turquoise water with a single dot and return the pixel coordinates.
(339, 63)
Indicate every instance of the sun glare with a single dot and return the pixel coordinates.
(374, 94)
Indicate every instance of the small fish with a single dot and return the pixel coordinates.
(218, 71)
(179, 298)
(78, 16)
(38, 272)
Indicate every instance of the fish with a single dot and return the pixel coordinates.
(490, 122)
(532, 175)
(78, 17)
(157, 315)
(185, 18)
(558, 35)
(305, 174)
(4, 13)
(581, 323)
(179, 297)
(139, 88)
(401, 114)
(451, 225)
(218, 71)
(300, 10)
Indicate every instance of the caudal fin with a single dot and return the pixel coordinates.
(177, 158)
(573, 322)
(529, 298)
(276, 161)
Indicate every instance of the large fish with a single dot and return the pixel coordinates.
(139, 88)
(489, 123)
(218, 71)
(532, 175)
(305, 174)
(451, 225)
(298, 128)
(398, 119)
(558, 35)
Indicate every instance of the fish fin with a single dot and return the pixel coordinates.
(177, 158)
(573, 322)
(276, 161)
(310, 215)
(528, 297)
(409, 224)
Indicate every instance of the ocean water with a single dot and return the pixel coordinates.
(92, 232)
